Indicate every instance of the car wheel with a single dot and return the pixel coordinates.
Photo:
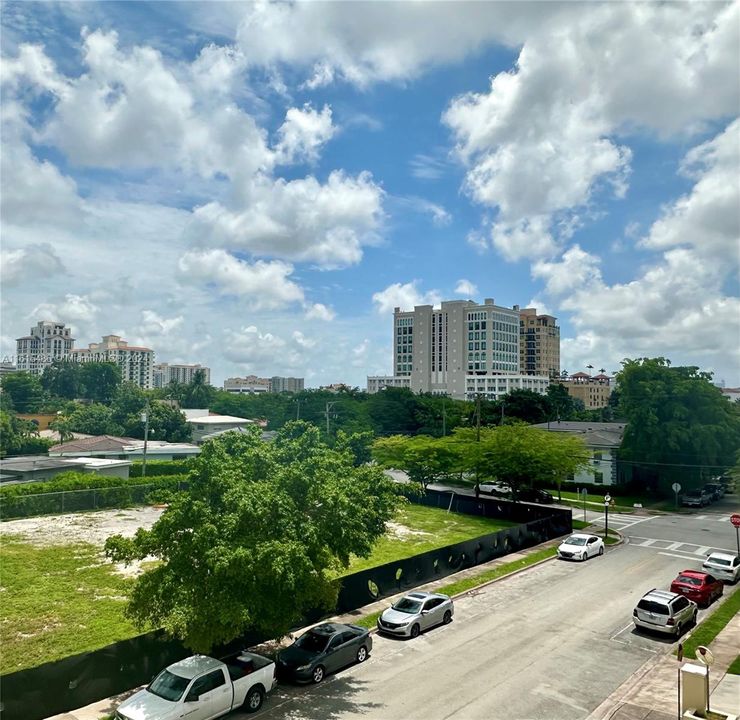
(693, 618)
(318, 674)
(415, 630)
(253, 701)
(447, 619)
(601, 550)
(679, 629)
(584, 557)
(362, 654)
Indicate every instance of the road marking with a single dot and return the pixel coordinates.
(702, 551)
(646, 543)
(683, 557)
(674, 546)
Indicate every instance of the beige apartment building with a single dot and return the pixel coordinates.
(594, 391)
(136, 363)
(48, 341)
(539, 344)
(165, 373)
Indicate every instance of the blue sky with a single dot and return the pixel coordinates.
(254, 186)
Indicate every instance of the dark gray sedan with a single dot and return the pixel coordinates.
(415, 612)
(322, 650)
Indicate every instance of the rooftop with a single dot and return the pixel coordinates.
(217, 419)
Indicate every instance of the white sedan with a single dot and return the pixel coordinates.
(581, 546)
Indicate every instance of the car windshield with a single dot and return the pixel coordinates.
(169, 686)
(407, 605)
(312, 642)
(718, 560)
(687, 580)
(575, 540)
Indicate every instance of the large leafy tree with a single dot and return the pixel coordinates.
(24, 390)
(63, 379)
(423, 458)
(679, 426)
(165, 423)
(20, 437)
(198, 393)
(527, 405)
(255, 541)
(100, 381)
(561, 401)
(128, 404)
(94, 419)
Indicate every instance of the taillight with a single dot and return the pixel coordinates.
(670, 621)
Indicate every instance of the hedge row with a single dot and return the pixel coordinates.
(162, 467)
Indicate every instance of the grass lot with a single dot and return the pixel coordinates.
(57, 601)
(710, 627)
(734, 668)
(418, 529)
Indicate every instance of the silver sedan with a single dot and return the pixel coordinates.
(415, 612)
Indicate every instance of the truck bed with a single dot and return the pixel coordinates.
(245, 663)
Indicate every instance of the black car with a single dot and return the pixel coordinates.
(324, 649)
(535, 495)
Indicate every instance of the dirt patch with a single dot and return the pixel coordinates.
(92, 527)
(402, 532)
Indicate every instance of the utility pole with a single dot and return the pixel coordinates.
(477, 417)
(145, 418)
(329, 406)
(502, 412)
(444, 415)
(477, 437)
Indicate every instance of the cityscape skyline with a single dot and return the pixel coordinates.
(213, 182)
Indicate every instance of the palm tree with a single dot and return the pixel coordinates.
(63, 425)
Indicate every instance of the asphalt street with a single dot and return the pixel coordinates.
(548, 644)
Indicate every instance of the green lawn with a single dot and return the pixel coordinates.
(420, 529)
(734, 668)
(711, 626)
(57, 601)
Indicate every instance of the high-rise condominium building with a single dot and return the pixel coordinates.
(136, 363)
(286, 384)
(164, 373)
(539, 344)
(255, 385)
(48, 341)
(461, 349)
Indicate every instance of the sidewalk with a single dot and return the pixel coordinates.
(652, 691)
(105, 708)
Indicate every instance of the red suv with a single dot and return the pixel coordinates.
(698, 586)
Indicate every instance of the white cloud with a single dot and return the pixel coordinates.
(31, 264)
(440, 216)
(319, 311)
(300, 339)
(405, 296)
(466, 288)
(303, 133)
(428, 167)
(154, 324)
(360, 353)
(73, 310)
(265, 284)
(299, 220)
(252, 348)
(577, 269)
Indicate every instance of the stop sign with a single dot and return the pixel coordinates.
(735, 520)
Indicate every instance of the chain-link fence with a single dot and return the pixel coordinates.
(69, 501)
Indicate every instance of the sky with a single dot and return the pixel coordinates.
(255, 186)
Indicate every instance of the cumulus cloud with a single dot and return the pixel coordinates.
(265, 284)
(31, 264)
(406, 296)
(303, 133)
(300, 220)
(319, 311)
(154, 324)
(73, 310)
(466, 288)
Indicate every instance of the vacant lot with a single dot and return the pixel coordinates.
(61, 597)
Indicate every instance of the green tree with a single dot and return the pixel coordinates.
(62, 379)
(94, 419)
(527, 405)
(561, 401)
(25, 391)
(128, 404)
(63, 425)
(359, 444)
(679, 426)
(165, 423)
(198, 393)
(255, 541)
(423, 458)
(20, 437)
(100, 381)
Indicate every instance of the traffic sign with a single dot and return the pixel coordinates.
(735, 519)
(676, 487)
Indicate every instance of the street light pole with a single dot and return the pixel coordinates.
(145, 418)
(607, 500)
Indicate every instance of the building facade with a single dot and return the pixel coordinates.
(460, 349)
(280, 384)
(136, 363)
(376, 383)
(48, 341)
(165, 373)
(251, 384)
(539, 344)
(593, 391)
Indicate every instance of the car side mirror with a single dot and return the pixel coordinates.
(425, 612)
(192, 697)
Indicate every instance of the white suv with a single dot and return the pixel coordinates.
(665, 612)
(723, 566)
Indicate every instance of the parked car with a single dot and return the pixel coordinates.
(494, 488)
(701, 587)
(202, 687)
(723, 566)
(581, 546)
(665, 612)
(695, 498)
(416, 612)
(324, 649)
(536, 495)
(728, 483)
(715, 489)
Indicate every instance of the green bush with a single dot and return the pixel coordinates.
(162, 467)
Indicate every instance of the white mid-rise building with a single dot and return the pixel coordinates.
(461, 349)
(165, 373)
(250, 384)
(136, 363)
(48, 341)
(376, 383)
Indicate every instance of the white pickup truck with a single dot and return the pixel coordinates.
(201, 688)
